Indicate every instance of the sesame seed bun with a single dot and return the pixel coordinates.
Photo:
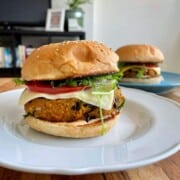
(75, 129)
(140, 53)
(69, 59)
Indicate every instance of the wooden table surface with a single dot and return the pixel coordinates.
(162, 170)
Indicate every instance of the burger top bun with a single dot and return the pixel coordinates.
(140, 53)
(69, 59)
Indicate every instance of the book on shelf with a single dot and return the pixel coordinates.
(7, 59)
(20, 55)
(22, 52)
(29, 50)
(2, 57)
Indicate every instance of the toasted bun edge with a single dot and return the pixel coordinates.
(70, 130)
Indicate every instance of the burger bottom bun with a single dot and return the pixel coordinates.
(78, 129)
(155, 80)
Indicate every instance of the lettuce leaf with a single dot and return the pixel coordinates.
(19, 81)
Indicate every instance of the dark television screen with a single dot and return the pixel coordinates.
(23, 12)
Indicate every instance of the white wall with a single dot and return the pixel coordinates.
(120, 22)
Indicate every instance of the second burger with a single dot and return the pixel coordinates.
(139, 63)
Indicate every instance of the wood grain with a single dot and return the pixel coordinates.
(167, 169)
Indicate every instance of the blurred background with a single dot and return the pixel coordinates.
(119, 22)
(115, 23)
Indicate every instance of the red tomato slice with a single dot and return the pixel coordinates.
(37, 86)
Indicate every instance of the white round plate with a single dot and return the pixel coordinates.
(148, 130)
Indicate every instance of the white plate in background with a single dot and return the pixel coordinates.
(171, 80)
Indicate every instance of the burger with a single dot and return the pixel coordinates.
(140, 63)
(71, 89)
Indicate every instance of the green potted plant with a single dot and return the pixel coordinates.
(74, 18)
(74, 4)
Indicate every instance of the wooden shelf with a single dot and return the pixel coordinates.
(16, 32)
(10, 72)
